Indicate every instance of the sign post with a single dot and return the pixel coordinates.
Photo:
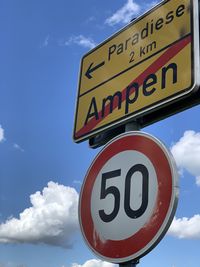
(128, 198)
(129, 264)
(130, 192)
(133, 126)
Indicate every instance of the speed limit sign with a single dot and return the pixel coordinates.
(128, 198)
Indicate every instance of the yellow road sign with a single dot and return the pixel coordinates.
(148, 64)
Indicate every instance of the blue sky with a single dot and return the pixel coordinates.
(41, 168)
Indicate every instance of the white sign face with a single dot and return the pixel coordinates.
(128, 198)
(114, 180)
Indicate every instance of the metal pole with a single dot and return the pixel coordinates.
(131, 126)
(129, 264)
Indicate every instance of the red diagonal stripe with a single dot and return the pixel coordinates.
(153, 68)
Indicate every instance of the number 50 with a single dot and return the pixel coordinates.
(113, 190)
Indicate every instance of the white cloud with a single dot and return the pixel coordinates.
(91, 19)
(128, 12)
(94, 263)
(187, 153)
(2, 137)
(52, 219)
(188, 228)
(77, 182)
(198, 180)
(80, 40)
(8, 264)
(18, 147)
(45, 42)
(124, 14)
(150, 5)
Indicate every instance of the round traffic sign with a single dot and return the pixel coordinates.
(128, 198)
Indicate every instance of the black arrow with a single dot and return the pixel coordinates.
(92, 69)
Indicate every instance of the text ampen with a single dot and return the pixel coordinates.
(131, 93)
